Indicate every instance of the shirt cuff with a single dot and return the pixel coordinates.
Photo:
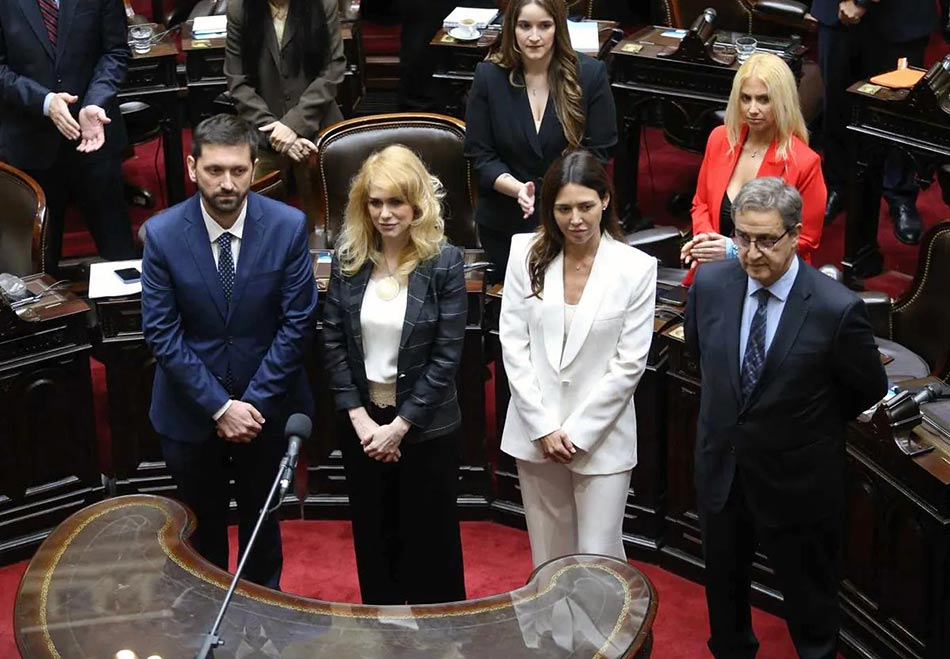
(222, 410)
(46, 103)
(732, 251)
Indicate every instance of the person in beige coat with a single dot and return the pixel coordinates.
(283, 61)
(576, 325)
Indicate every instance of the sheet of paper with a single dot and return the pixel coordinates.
(481, 16)
(205, 25)
(583, 36)
(103, 282)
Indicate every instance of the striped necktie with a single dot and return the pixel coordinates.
(49, 10)
(755, 348)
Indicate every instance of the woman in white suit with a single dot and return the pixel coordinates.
(576, 325)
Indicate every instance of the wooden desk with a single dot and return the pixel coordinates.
(456, 62)
(151, 79)
(883, 119)
(653, 88)
(204, 66)
(119, 575)
(50, 466)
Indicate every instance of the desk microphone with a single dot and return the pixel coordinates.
(296, 431)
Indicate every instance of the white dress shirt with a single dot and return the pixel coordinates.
(381, 322)
(773, 310)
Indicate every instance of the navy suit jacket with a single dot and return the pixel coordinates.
(822, 369)
(90, 61)
(196, 335)
(500, 137)
(894, 20)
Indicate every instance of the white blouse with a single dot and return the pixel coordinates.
(381, 322)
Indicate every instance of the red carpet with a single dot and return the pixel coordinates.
(497, 559)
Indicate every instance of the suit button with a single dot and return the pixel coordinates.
(732, 449)
(286, 97)
(229, 340)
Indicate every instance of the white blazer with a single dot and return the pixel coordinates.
(587, 387)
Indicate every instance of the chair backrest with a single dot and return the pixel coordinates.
(436, 138)
(921, 317)
(22, 223)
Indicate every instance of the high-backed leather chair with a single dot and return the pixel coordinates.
(436, 138)
(22, 223)
(920, 318)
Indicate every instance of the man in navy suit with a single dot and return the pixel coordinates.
(858, 39)
(787, 358)
(228, 301)
(61, 63)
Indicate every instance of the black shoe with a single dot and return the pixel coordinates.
(834, 206)
(907, 223)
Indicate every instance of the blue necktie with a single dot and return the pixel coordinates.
(754, 358)
(226, 272)
(226, 264)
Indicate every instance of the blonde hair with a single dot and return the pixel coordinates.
(563, 73)
(398, 169)
(783, 97)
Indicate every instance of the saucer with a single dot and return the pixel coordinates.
(456, 33)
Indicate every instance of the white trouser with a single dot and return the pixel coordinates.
(570, 513)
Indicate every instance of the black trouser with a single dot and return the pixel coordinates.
(94, 182)
(805, 560)
(202, 471)
(405, 522)
(846, 55)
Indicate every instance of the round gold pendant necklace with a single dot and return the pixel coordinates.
(388, 287)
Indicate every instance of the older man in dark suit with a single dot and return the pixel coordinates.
(787, 359)
(61, 62)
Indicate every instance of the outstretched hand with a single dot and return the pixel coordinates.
(92, 123)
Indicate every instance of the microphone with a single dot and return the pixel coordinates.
(930, 393)
(296, 431)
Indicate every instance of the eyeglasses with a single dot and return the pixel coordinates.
(744, 241)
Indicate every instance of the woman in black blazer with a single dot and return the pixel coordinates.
(393, 328)
(531, 101)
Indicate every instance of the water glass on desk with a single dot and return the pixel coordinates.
(745, 48)
(140, 38)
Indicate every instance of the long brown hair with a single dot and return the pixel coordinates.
(580, 168)
(563, 73)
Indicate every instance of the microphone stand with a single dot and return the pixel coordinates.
(212, 640)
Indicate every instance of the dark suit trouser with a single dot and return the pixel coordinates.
(202, 472)
(805, 560)
(94, 182)
(405, 522)
(846, 55)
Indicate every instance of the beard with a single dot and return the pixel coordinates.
(223, 203)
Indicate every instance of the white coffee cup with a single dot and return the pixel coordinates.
(468, 28)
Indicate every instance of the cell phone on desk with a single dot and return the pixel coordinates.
(129, 275)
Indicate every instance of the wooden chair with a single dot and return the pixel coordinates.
(23, 227)
(436, 138)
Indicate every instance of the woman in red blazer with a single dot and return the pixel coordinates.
(764, 135)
